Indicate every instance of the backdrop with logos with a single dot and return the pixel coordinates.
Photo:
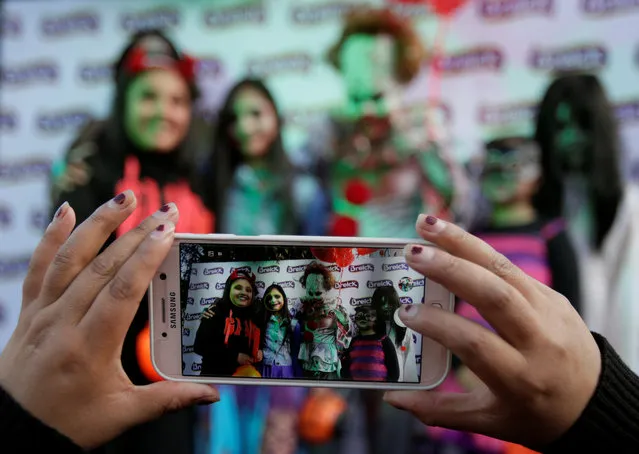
(499, 54)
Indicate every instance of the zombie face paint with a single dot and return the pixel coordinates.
(274, 301)
(571, 140)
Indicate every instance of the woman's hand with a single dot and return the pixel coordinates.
(62, 363)
(540, 369)
(209, 313)
(260, 356)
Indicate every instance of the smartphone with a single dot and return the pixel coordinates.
(293, 311)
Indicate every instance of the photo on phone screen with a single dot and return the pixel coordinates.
(298, 312)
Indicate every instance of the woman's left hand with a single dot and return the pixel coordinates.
(62, 363)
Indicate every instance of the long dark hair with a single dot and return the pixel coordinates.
(377, 302)
(589, 104)
(226, 158)
(118, 143)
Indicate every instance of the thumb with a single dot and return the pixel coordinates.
(159, 398)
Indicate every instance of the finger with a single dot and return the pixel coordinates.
(152, 401)
(491, 358)
(86, 287)
(54, 236)
(501, 305)
(109, 316)
(462, 244)
(84, 244)
(468, 412)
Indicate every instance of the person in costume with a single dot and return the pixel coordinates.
(582, 182)
(385, 160)
(510, 179)
(144, 145)
(386, 302)
(371, 355)
(254, 189)
(325, 325)
(281, 336)
(229, 334)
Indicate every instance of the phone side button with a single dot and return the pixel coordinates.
(437, 305)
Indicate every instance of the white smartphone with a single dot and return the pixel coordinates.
(293, 311)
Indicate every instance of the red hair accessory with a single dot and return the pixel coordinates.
(138, 60)
(241, 274)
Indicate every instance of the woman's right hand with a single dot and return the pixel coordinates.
(209, 313)
(244, 360)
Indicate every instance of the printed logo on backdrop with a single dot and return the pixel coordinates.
(78, 22)
(355, 302)
(286, 284)
(395, 266)
(585, 57)
(39, 219)
(207, 301)
(192, 316)
(260, 285)
(187, 349)
(237, 15)
(62, 122)
(208, 67)
(361, 267)
(268, 269)
(212, 271)
(608, 7)
(294, 62)
(413, 11)
(481, 58)
(8, 120)
(193, 271)
(199, 286)
(506, 113)
(242, 269)
(321, 12)
(6, 216)
(160, 18)
(14, 266)
(190, 300)
(37, 72)
(95, 73)
(378, 284)
(10, 25)
(627, 111)
(514, 9)
(186, 332)
(346, 284)
(33, 168)
(295, 269)
(220, 286)
(196, 367)
(405, 300)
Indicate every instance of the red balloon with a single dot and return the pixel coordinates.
(324, 254)
(446, 7)
(344, 257)
(344, 226)
(358, 192)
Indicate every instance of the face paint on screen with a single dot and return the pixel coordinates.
(296, 312)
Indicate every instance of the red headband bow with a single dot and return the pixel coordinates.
(138, 60)
(241, 274)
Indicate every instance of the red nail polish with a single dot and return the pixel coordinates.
(416, 250)
(165, 208)
(431, 220)
(119, 199)
(160, 228)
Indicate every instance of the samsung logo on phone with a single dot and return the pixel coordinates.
(286, 284)
(242, 269)
(268, 269)
(361, 301)
(206, 301)
(395, 267)
(347, 284)
(295, 269)
(406, 300)
(192, 317)
(210, 271)
(200, 286)
(362, 267)
(187, 349)
(382, 283)
(220, 286)
(172, 311)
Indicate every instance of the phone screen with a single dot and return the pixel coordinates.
(298, 312)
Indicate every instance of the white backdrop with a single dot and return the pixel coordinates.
(354, 286)
(499, 56)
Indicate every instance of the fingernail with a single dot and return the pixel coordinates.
(431, 223)
(409, 311)
(162, 231)
(61, 211)
(164, 212)
(418, 251)
(118, 200)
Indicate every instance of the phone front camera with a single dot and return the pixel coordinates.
(163, 276)
(163, 334)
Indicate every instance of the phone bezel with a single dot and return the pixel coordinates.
(436, 359)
